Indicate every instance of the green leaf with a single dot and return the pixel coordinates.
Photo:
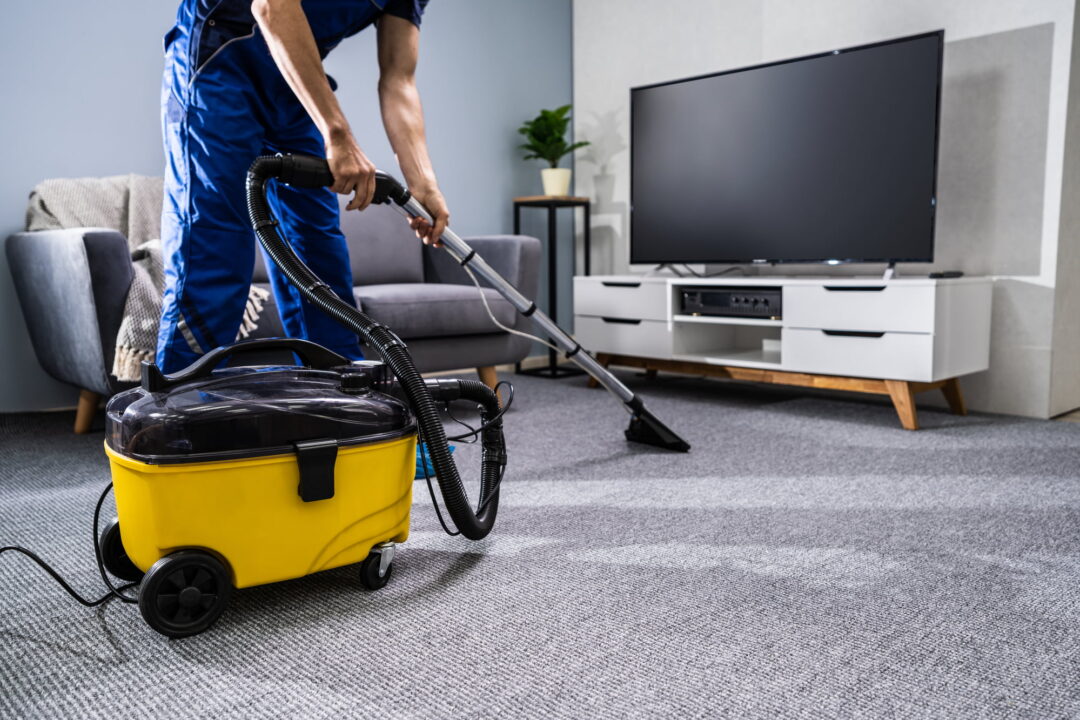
(545, 135)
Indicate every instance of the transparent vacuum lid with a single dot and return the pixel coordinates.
(249, 411)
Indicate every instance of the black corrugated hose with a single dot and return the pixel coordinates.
(473, 525)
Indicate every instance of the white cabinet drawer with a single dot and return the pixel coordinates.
(885, 355)
(631, 298)
(870, 306)
(644, 338)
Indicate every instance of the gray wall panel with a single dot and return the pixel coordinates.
(992, 163)
(1065, 362)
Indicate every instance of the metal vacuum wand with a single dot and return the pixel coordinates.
(644, 426)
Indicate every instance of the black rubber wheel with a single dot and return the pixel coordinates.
(113, 555)
(184, 593)
(369, 573)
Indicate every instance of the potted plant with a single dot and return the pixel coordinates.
(545, 139)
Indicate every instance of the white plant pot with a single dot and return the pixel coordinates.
(556, 181)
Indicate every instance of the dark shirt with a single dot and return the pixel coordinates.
(217, 22)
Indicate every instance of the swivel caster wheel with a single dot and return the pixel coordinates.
(113, 555)
(184, 593)
(376, 569)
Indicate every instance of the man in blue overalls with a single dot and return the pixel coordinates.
(245, 78)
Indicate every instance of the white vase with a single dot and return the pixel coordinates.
(556, 181)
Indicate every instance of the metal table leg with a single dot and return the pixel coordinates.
(588, 241)
(553, 369)
(517, 231)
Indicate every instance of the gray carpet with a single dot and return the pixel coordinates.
(807, 559)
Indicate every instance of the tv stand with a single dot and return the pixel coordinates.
(890, 272)
(895, 337)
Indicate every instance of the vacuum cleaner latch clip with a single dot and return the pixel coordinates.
(316, 459)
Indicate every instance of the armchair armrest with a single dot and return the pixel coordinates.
(515, 257)
(72, 285)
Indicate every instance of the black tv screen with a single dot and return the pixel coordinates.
(827, 158)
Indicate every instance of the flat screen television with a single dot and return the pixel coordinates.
(825, 158)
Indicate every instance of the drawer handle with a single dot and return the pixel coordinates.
(621, 321)
(854, 333)
(854, 288)
(615, 283)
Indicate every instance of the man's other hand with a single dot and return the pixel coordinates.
(433, 200)
(352, 171)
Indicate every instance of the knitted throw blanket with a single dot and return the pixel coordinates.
(130, 204)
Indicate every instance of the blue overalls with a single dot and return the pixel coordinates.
(224, 102)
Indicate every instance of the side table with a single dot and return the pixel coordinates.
(553, 203)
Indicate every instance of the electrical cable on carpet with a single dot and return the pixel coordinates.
(114, 591)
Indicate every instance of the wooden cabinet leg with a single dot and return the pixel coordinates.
(488, 376)
(84, 413)
(603, 360)
(951, 390)
(904, 401)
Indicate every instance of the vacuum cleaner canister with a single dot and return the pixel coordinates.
(250, 475)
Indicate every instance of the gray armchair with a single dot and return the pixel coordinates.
(72, 286)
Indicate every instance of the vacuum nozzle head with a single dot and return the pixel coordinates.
(646, 428)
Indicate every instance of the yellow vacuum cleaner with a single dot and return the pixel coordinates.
(252, 475)
(249, 475)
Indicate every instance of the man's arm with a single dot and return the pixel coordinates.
(399, 42)
(292, 45)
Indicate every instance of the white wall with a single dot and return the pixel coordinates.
(1005, 102)
(1064, 375)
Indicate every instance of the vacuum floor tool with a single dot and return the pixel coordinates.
(307, 171)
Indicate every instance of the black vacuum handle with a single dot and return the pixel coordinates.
(305, 171)
(308, 171)
(312, 355)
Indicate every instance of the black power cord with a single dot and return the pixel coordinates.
(431, 489)
(114, 592)
(473, 433)
(484, 503)
(695, 273)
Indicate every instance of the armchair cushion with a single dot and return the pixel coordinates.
(425, 310)
(111, 276)
(382, 247)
